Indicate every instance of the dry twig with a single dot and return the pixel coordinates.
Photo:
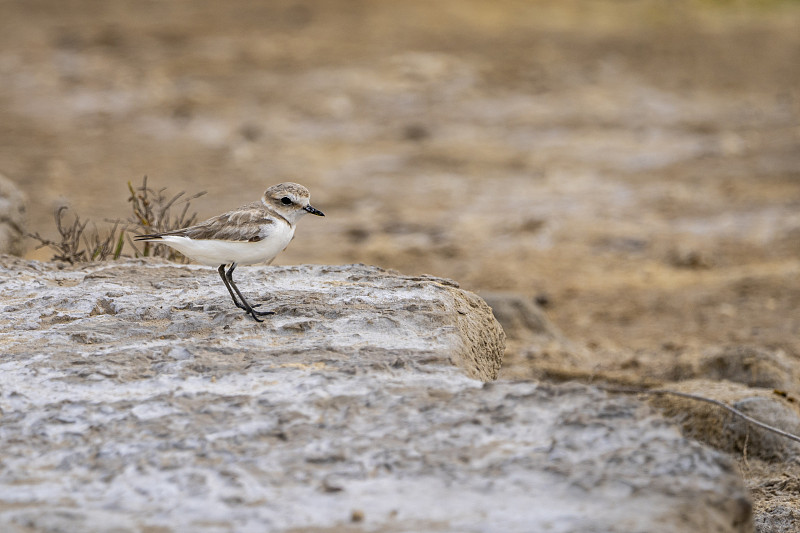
(152, 213)
(76, 245)
(733, 410)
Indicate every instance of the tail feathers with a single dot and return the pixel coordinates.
(148, 237)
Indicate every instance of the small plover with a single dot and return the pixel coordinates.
(253, 233)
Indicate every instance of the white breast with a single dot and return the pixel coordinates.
(214, 252)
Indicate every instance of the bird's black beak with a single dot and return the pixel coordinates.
(314, 211)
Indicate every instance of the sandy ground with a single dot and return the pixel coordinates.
(634, 166)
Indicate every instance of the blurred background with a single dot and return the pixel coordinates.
(632, 166)
(619, 179)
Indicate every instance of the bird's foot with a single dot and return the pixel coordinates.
(253, 313)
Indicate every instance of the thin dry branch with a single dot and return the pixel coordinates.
(77, 245)
(733, 410)
(152, 213)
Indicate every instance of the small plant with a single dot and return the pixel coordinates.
(77, 245)
(152, 212)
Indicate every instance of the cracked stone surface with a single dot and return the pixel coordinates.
(135, 397)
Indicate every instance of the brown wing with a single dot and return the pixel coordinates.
(243, 224)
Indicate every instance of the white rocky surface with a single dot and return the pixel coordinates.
(135, 397)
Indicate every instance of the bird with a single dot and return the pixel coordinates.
(250, 234)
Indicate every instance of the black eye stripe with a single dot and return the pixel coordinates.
(286, 200)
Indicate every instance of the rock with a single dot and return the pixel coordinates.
(723, 430)
(536, 348)
(12, 218)
(520, 316)
(134, 394)
(765, 444)
(753, 366)
(383, 317)
(779, 519)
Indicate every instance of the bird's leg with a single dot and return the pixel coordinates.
(245, 304)
(228, 282)
(221, 271)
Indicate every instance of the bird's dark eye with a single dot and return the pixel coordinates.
(286, 200)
